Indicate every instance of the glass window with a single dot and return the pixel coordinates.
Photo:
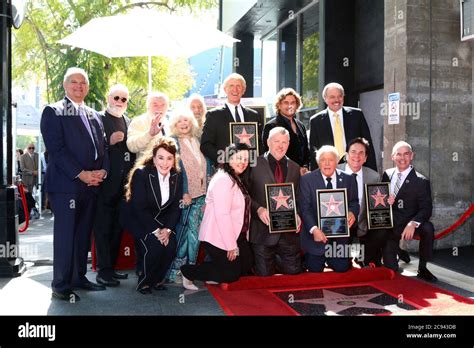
(269, 69)
(310, 57)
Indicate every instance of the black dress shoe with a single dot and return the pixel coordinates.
(119, 275)
(403, 255)
(90, 286)
(69, 296)
(107, 281)
(424, 274)
(145, 291)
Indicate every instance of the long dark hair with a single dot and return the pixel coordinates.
(229, 151)
(147, 161)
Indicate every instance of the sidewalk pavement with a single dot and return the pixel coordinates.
(30, 294)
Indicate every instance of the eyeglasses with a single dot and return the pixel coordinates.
(123, 99)
(31, 148)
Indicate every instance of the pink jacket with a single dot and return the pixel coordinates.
(224, 215)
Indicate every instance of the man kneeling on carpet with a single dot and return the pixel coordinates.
(319, 250)
(225, 225)
(412, 210)
(274, 167)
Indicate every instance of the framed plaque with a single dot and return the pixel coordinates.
(244, 132)
(332, 212)
(379, 212)
(281, 206)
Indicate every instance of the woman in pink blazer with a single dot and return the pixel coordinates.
(224, 228)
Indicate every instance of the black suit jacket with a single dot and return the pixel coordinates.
(309, 183)
(121, 160)
(215, 133)
(296, 151)
(413, 201)
(260, 175)
(70, 147)
(144, 213)
(355, 126)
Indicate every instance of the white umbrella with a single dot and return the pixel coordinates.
(147, 33)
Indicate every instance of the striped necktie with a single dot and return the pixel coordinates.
(398, 184)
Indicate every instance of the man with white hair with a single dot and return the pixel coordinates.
(338, 124)
(273, 167)
(313, 240)
(78, 164)
(412, 210)
(216, 134)
(107, 230)
(145, 129)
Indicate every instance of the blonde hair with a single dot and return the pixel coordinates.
(234, 76)
(178, 115)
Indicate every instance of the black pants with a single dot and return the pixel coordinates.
(283, 257)
(220, 269)
(156, 259)
(426, 233)
(107, 234)
(373, 243)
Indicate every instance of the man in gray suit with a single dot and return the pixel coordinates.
(29, 169)
(273, 167)
(372, 241)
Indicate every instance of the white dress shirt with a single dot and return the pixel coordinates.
(164, 187)
(232, 110)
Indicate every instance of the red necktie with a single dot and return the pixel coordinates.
(278, 173)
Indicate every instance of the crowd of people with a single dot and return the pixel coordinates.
(178, 185)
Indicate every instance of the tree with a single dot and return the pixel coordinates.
(37, 55)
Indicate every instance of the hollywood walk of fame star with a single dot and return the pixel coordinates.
(333, 206)
(245, 137)
(336, 302)
(282, 201)
(379, 199)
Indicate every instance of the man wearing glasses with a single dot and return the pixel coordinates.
(29, 169)
(78, 164)
(107, 230)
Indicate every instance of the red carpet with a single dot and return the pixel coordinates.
(360, 291)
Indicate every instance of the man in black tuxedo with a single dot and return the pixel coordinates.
(273, 167)
(337, 125)
(412, 208)
(107, 229)
(78, 164)
(314, 242)
(215, 134)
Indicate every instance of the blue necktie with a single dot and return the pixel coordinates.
(85, 120)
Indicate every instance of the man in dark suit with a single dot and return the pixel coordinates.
(412, 208)
(107, 229)
(337, 125)
(29, 176)
(78, 163)
(215, 134)
(287, 104)
(273, 167)
(313, 240)
(371, 240)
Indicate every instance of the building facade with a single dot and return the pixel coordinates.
(375, 48)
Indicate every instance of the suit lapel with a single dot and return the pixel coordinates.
(346, 119)
(326, 122)
(268, 169)
(228, 113)
(407, 183)
(155, 189)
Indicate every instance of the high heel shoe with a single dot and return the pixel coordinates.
(188, 284)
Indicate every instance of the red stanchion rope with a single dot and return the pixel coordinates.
(21, 190)
(458, 223)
